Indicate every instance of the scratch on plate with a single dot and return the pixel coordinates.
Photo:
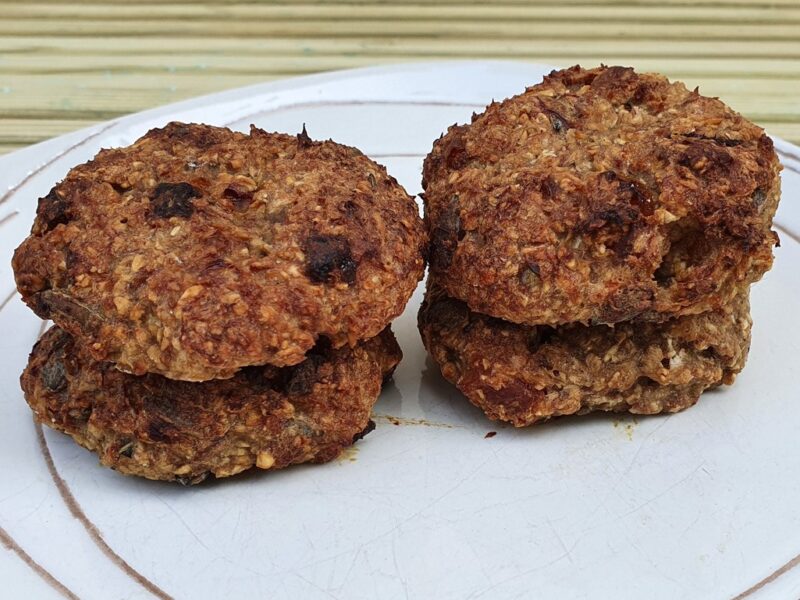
(184, 523)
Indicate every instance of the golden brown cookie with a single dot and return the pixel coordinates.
(526, 374)
(159, 428)
(599, 196)
(198, 250)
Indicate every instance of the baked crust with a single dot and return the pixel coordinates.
(198, 250)
(159, 428)
(599, 196)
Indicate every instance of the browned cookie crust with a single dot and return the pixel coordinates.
(174, 430)
(524, 374)
(197, 251)
(600, 196)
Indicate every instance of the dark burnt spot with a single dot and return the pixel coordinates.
(612, 79)
(557, 120)
(54, 376)
(239, 196)
(49, 304)
(715, 140)
(631, 192)
(199, 136)
(173, 200)
(303, 140)
(704, 157)
(637, 197)
(53, 210)
(329, 259)
(665, 362)
(490, 434)
(549, 187)
(445, 236)
(368, 429)
(614, 224)
(618, 207)
(159, 430)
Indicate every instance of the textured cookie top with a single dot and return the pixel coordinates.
(599, 196)
(197, 251)
(524, 374)
(176, 430)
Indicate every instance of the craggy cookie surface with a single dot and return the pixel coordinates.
(197, 251)
(600, 196)
(175, 430)
(524, 374)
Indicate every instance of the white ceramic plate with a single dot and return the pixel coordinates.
(701, 504)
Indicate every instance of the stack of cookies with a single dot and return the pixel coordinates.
(593, 241)
(221, 300)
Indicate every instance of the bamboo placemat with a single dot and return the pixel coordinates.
(65, 65)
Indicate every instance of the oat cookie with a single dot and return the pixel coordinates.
(526, 374)
(159, 428)
(601, 195)
(198, 251)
